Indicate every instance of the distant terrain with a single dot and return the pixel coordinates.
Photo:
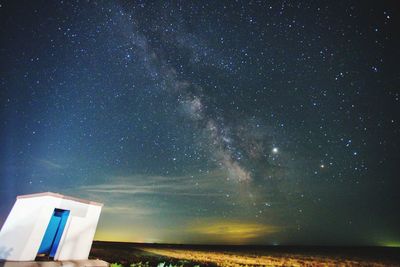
(138, 254)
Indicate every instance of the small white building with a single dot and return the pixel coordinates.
(49, 225)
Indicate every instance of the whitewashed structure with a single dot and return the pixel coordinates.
(49, 225)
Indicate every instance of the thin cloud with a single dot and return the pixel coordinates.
(50, 164)
(157, 185)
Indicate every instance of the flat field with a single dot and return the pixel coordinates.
(136, 254)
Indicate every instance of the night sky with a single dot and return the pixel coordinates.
(234, 122)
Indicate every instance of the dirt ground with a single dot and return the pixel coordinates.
(132, 254)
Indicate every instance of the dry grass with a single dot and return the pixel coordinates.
(233, 259)
(137, 254)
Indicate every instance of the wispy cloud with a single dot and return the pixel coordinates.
(50, 164)
(156, 185)
(126, 210)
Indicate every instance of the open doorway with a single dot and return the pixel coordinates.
(53, 234)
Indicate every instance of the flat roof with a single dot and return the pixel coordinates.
(51, 194)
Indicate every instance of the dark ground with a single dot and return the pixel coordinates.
(133, 253)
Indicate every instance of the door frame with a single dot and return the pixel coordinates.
(51, 252)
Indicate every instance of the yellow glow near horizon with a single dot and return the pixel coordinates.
(124, 235)
(392, 244)
(231, 231)
(210, 231)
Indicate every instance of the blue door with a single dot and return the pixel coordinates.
(53, 234)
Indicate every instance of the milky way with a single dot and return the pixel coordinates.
(229, 122)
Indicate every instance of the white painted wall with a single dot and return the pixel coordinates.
(23, 231)
(79, 231)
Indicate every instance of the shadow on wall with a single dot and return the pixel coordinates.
(75, 240)
(4, 253)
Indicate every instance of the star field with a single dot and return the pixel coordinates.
(240, 122)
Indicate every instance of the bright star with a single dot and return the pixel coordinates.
(275, 150)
